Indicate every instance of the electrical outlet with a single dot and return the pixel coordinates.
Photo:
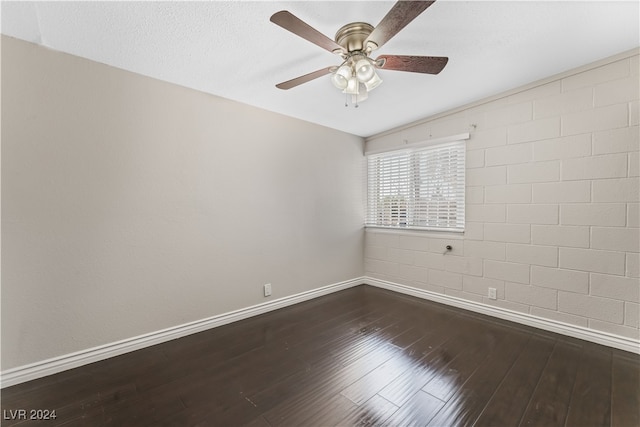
(267, 290)
(492, 293)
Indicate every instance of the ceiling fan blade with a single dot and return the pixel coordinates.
(414, 64)
(290, 22)
(303, 79)
(395, 20)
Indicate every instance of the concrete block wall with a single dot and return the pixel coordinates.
(552, 202)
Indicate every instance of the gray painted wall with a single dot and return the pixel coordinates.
(130, 205)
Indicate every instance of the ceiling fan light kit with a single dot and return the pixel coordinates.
(354, 42)
(356, 76)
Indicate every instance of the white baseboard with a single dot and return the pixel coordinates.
(615, 341)
(73, 360)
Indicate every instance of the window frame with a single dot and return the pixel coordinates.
(412, 158)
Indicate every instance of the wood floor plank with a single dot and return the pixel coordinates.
(370, 384)
(508, 403)
(550, 401)
(326, 412)
(467, 402)
(625, 394)
(329, 379)
(590, 403)
(257, 422)
(367, 386)
(456, 372)
(374, 411)
(407, 338)
(324, 363)
(363, 343)
(417, 411)
(409, 359)
(332, 341)
(96, 404)
(222, 355)
(143, 410)
(233, 414)
(442, 346)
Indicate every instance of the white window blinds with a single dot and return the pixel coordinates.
(419, 188)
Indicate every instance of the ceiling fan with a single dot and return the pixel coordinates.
(354, 42)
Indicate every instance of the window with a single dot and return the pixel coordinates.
(419, 188)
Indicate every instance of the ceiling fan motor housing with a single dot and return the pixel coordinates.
(352, 36)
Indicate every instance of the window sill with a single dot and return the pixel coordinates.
(449, 234)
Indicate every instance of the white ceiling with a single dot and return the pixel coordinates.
(231, 49)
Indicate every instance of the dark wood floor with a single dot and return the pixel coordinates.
(363, 356)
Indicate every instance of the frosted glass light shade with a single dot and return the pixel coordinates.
(364, 70)
(373, 83)
(339, 81)
(340, 78)
(352, 86)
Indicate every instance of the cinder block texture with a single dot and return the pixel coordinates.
(553, 196)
